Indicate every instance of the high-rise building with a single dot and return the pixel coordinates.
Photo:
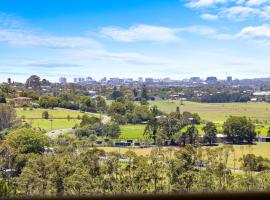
(89, 78)
(62, 80)
(9, 81)
(140, 79)
(103, 80)
(80, 79)
(211, 79)
(195, 79)
(229, 79)
(149, 80)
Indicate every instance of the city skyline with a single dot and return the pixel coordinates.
(117, 38)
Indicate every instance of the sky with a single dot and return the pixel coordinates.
(134, 38)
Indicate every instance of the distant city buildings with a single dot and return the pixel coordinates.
(167, 81)
(211, 79)
(195, 79)
(62, 80)
(229, 79)
(140, 79)
(149, 80)
(85, 81)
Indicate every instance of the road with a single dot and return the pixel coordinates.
(53, 133)
(59, 131)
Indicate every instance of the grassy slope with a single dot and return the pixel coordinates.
(218, 112)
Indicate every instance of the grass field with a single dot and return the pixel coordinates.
(56, 123)
(218, 112)
(131, 131)
(53, 113)
(58, 116)
(260, 149)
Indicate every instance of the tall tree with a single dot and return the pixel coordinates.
(151, 128)
(144, 93)
(7, 116)
(192, 134)
(210, 131)
(239, 129)
(28, 140)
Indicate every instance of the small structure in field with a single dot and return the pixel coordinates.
(21, 101)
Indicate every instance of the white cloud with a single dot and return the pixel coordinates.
(255, 32)
(240, 12)
(204, 3)
(258, 34)
(256, 2)
(124, 57)
(15, 32)
(21, 38)
(141, 32)
(232, 9)
(209, 16)
(201, 30)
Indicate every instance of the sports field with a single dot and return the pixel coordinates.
(53, 113)
(57, 117)
(53, 124)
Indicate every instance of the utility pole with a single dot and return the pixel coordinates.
(51, 123)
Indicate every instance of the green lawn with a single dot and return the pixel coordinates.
(53, 113)
(131, 131)
(56, 123)
(34, 117)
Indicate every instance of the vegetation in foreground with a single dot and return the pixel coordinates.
(71, 164)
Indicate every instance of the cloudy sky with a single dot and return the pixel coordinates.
(134, 38)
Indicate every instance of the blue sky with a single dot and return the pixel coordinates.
(134, 38)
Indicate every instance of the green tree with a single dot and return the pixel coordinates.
(48, 102)
(210, 131)
(88, 105)
(77, 182)
(151, 128)
(144, 93)
(116, 94)
(183, 169)
(268, 132)
(34, 179)
(239, 129)
(192, 134)
(101, 104)
(88, 121)
(28, 140)
(45, 115)
(7, 116)
(6, 190)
